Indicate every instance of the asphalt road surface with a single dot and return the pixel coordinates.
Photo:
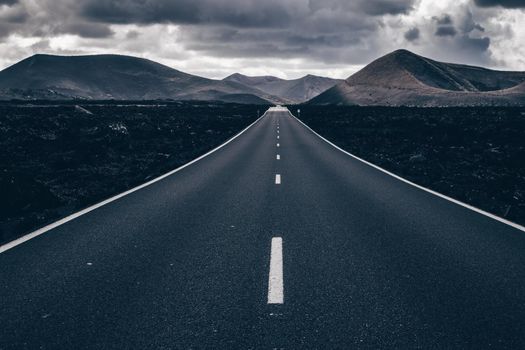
(276, 240)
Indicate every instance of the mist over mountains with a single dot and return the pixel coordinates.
(400, 78)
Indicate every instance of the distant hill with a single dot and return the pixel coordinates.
(404, 78)
(116, 77)
(292, 91)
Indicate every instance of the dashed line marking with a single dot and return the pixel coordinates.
(278, 145)
(277, 179)
(275, 279)
(278, 157)
(277, 137)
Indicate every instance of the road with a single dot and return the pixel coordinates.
(276, 240)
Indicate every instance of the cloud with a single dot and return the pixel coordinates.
(412, 34)
(466, 23)
(132, 34)
(444, 19)
(446, 31)
(14, 14)
(217, 37)
(87, 30)
(475, 44)
(326, 31)
(445, 25)
(8, 2)
(383, 7)
(501, 3)
(237, 13)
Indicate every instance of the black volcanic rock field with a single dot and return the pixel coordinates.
(57, 159)
(475, 155)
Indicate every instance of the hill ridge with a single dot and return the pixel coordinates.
(402, 78)
(291, 90)
(111, 76)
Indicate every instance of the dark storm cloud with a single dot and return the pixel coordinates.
(15, 14)
(501, 3)
(457, 38)
(344, 32)
(240, 13)
(314, 38)
(12, 16)
(445, 25)
(316, 29)
(8, 2)
(444, 19)
(88, 30)
(475, 44)
(46, 18)
(237, 13)
(412, 34)
(446, 31)
(369, 7)
(384, 7)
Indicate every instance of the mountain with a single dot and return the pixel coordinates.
(116, 77)
(404, 78)
(292, 91)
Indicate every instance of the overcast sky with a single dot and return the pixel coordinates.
(286, 38)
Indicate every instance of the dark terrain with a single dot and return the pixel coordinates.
(57, 159)
(475, 155)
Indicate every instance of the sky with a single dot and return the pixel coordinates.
(285, 38)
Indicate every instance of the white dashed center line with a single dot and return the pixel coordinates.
(277, 179)
(278, 157)
(277, 145)
(277, 137)
(275, 280)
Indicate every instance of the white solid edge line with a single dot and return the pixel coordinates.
(27, 237)
(275, 277)
(455, 201)
(277, 179)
